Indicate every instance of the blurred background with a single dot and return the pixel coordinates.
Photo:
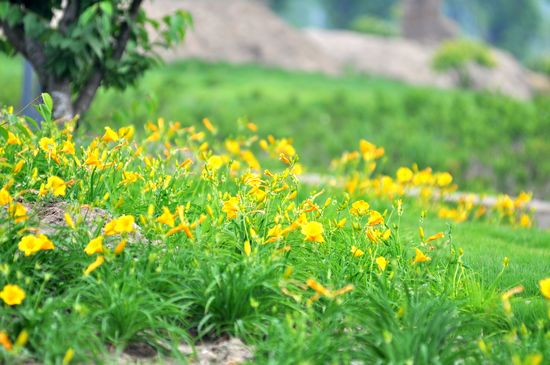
(459, 85)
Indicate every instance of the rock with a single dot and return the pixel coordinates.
(230, 351)
(50, 217)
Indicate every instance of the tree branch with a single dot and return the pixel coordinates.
(30, 48)
(69, 15)
(89, 90)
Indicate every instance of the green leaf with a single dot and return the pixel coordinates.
(47, 99)
(106, 7)
(3, 132)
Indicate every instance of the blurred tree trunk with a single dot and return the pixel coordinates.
(423, 21)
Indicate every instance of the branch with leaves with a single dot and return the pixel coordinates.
(78, 46)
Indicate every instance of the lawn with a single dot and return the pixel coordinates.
(177, 233)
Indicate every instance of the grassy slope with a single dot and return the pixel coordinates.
(315, 109)
(489, 142)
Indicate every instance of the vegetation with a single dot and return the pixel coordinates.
(457, 55)
(93, 43)
(541, 64)
(179, 235)
(447, 130)
(375, 26)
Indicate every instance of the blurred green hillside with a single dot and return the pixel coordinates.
(489, 142)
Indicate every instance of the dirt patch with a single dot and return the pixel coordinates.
(230, 351)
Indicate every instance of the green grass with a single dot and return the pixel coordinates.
(489, 142)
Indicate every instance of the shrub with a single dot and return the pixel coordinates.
(456, 55)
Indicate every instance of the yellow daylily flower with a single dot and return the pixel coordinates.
(420, 257)
(12, 295)
(94, 246)
(313, 231)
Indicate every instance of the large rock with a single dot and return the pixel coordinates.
(241, 31)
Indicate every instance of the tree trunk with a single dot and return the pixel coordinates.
(60, 91)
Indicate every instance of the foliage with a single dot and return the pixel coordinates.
(456, 55)
(177, 234)
(540, 64)
(510, 24)
(448, 130)
(91, 43)
(372, 25)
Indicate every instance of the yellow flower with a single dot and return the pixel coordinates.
(68, 148)
(341, 223)
(123, 224)
(18, 212)
(166, 217)
(94, 265)
(120, 247)
(209, 125)
(5, 341)
(404, 175)
(56, 186)
(356, 251)
(31, 244)
(48, 145)
(92, 158)
(313, 231)
(232, 146)
(443, 179)
(69, 220)
(231, 207)
(94, 246)
(13, 139)
(215, 162)
(126, 132)
(5, 197)
(253, 127)
(320, 289)
(110, 135)
(435, 237)
(545, 287)
(420, 257)
(376, 235)
(375, 218)
(130, 177)
(18, 166)
(285, 146)
(247, 248)
(359, 208)
(68, 356)
(525, 221)
(381, 262)
(12, 295)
